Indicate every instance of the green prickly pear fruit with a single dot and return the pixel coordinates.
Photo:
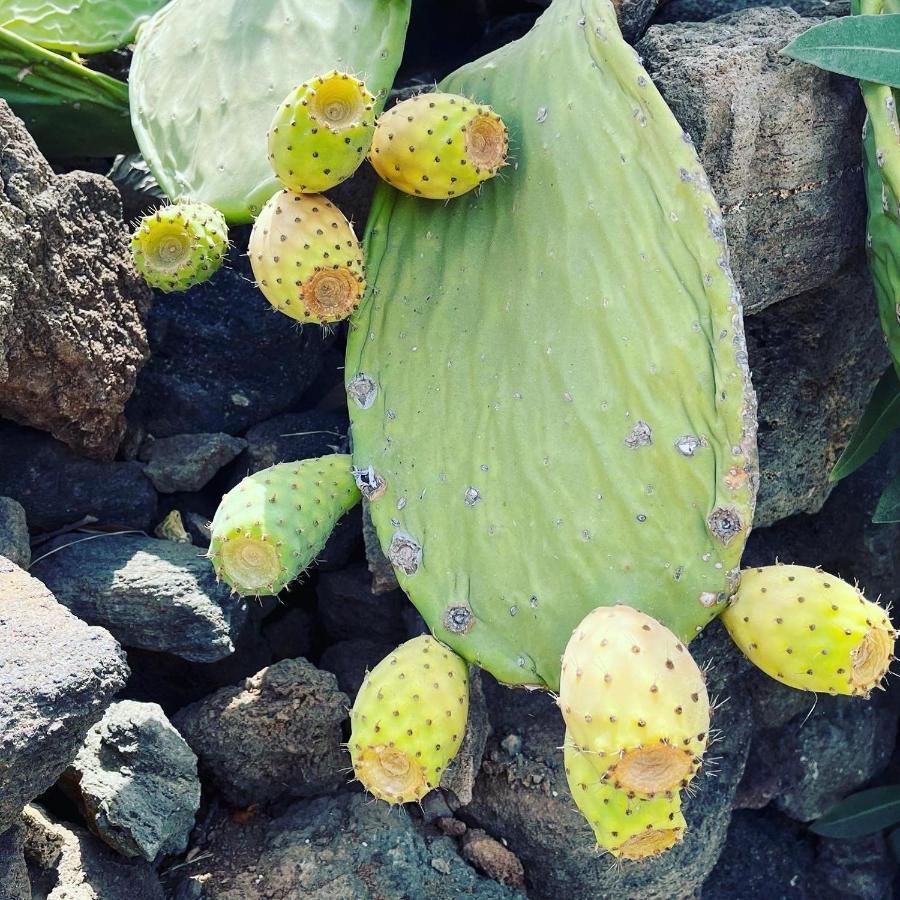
(306, 258)
(439, 145)
(270, 527)
(322, 132)
(627, 827)
(179, 245)
(409, 720)
(635, 700)
(810, 630)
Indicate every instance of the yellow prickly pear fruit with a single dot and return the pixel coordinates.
(635, 700)
(626, 826)
(439, 146)
(409, 719)
(810, 630)
(306, 258)
(321, 132)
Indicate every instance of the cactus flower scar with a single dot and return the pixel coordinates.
(510, 372)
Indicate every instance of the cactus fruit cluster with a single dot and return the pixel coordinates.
(179, 245)
(554, 516)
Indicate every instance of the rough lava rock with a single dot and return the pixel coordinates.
(292, 436)
(151, 594)
(66, 862)
(57, 487)
(187, 462)
(71, 336)
(57, 675)
(349, 609)
(331, 848)
(135, 781)
(14, 539)
(14, 883)
(275, 736)
(702, 10)
(222, 360)
(779, 140)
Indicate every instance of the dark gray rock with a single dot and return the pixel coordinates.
(290, 437)
(348, 608)
(71, 336)
(814, 360)
(350, 660)
(56, 487)
(135, 782)
(289, 633)
(151, 594)
(222, 360)
(56, 678)
(330, 848)
(66, 862)
(703, 10)
(14, 539)
(765, 856)
(779, 141)
(187, 462)
(522, 795)
(860, 867)
(14, 883)
(275, 736)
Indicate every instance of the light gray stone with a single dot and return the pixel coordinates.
(14, 539)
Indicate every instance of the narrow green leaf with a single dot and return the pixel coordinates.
(880, 419)
(864, 47)
(860, 814)
(888, 509)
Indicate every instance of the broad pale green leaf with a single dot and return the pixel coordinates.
(888, 509)
(860, 814)
(69, 109)
(864, 47)
(881, 418)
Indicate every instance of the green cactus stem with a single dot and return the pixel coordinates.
(409, 720)
(439, 146)
(180, 245)
(321, 133)
(270, 527)
(306, 258)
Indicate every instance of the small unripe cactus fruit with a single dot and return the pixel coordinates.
(270, 527)
(635, 700)
(810, 630)
(409, 719)
(626, 826)
(179, 245)
(439, 145)
(306, 258)
(321, 132)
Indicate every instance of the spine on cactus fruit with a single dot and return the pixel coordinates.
(179, 245)
(810, 630)
(625, 826)
(322, 132)
(306, 258)
(409, 720)
(270, 527)
(635, 701)
(439, 146)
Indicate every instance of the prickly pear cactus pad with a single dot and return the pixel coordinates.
(208, 77)
(548, 376)
(77, 26)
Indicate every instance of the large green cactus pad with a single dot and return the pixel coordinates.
(208, 76)
(549, 374)
(77, 26)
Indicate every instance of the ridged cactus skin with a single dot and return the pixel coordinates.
(635, 701)
(810, 630)
(306, 258)
(180, 245)
(409, 720)
(77, 26)
(625, 826)
(321, 132)
(208, 76)
(270, 527)
(439, 145)
(881, 148)
(512, 369)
